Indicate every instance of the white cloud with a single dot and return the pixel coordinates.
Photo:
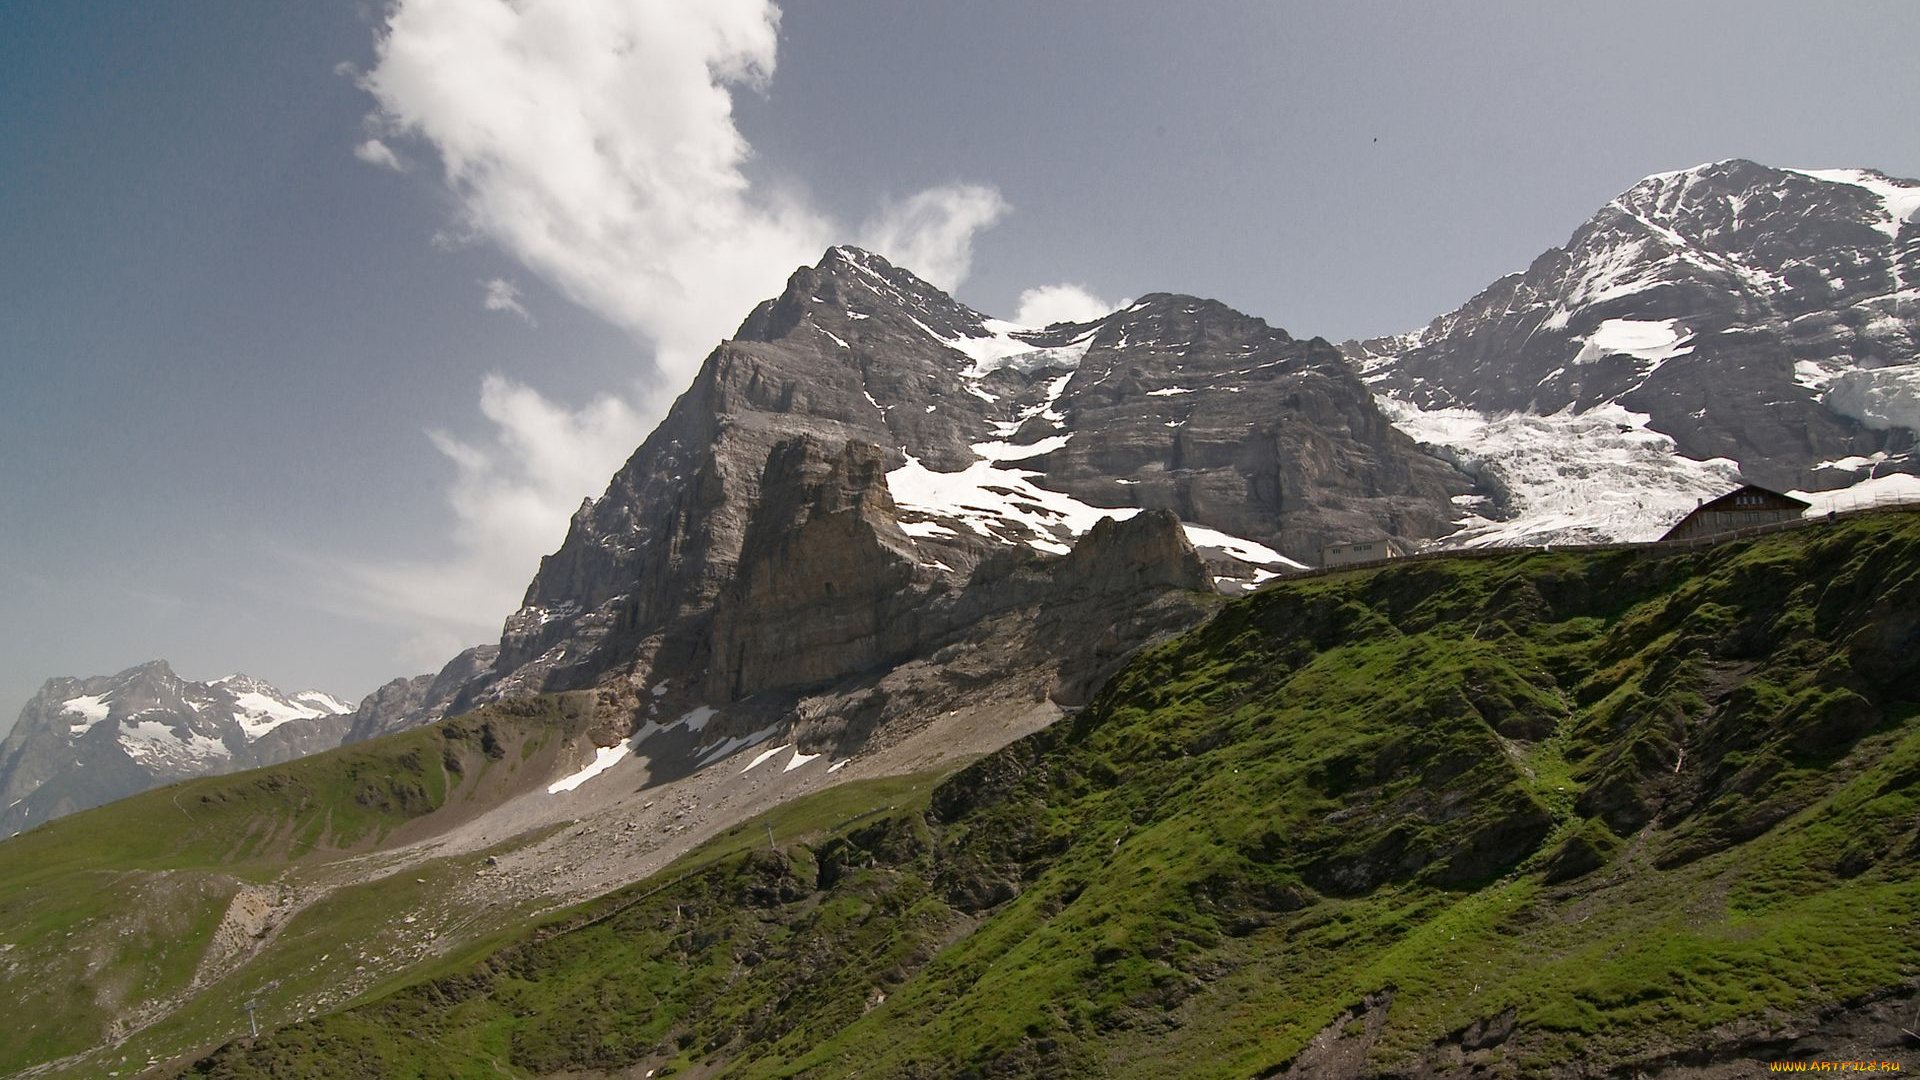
(511, 499)
(594, 142)
(375, 152)
(504, 295)
(932, 232)
(1049, 304)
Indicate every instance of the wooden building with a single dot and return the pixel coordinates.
(1742, 508)
(1359, 551)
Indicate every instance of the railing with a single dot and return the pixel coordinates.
(1865, 505)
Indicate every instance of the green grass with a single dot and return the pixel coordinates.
(1635, 801)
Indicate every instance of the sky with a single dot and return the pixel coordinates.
(318, 320)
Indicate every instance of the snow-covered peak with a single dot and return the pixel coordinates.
(1696, 171)
(1725, 316)
(1712, 205)
(1899, 198)
(84, 741)
(140, 700)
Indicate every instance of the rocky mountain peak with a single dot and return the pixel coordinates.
(852, 285)
(1177, 320)
(1727, 204)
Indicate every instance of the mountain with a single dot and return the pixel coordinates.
(870, 473)
(885, 714)
(83, 742)
(1720, 321)
(872, 452)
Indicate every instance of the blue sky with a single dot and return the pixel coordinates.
(257, 414)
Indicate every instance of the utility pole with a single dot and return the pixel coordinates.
(770, 842)
(253, 1029)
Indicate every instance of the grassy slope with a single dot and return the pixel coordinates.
(1628, 802)
(108, 913)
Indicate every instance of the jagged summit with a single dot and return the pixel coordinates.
(849, 284)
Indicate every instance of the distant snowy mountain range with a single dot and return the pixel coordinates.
(83, 742)
(871, 475)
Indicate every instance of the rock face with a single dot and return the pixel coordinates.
(1146, 552)
(83, 742)
(1770, 317)
(825, 584)
(404, 703)
(869, 468)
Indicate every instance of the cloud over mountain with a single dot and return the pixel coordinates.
(594, 142)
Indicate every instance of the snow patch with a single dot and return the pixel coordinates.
(1596, 476)
(1812, 374)
(1004, 504)
(763, 756)
(1854, 463)
(696, 719)
(799, 759)
(604, 758)
(1656, 341)
(260, 713)
(90, 709)
(1244, 550)
(738, 742)
(151, 741)
(997, 503)
(1894, 490)
(1000, 349)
